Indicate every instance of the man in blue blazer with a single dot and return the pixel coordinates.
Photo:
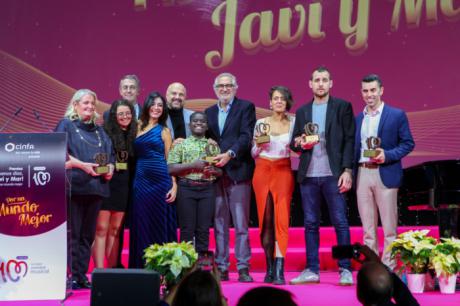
(325, 170)
(379, 176)
(230, 123)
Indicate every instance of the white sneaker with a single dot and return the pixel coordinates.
(346, 277)
(306, 277)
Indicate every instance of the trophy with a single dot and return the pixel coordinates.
(211, 151)
(372, 144)
(101, 159)
(122, 158)
(311, 132)
(263, 129)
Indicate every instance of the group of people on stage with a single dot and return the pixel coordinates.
(172, 166)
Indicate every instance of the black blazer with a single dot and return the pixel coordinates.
(236, 136)
(340, 136)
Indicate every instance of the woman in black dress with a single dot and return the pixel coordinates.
(88, 147)
(121, 127)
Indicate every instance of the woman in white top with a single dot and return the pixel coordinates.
(273, 181)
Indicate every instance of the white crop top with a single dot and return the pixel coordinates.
(278, 146)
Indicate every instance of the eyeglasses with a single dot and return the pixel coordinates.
(125, 114)
(222, 86)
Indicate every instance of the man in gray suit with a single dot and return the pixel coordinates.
(179, 117)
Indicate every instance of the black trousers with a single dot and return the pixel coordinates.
(83, 217)
(195, 210)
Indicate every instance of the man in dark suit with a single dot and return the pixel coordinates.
(178, 120)
(379, 176)
(231, 122)
(324, 170)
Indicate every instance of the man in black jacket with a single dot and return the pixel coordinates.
(324, 170)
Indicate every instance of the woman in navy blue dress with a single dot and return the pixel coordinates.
(154, 191)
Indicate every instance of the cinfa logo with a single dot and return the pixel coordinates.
(10, 147)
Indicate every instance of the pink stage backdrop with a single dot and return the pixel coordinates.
(50, 48)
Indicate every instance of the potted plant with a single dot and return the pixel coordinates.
(171, 261)
(445, 260)
(412, 249)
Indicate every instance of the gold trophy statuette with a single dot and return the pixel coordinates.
(122, 158)
(263, 129)
(311, 132)
(373, 143)
(101, 159)
(211, 151)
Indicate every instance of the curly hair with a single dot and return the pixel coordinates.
(113, 129)
(145, 116)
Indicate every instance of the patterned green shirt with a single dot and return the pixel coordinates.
(188, 151)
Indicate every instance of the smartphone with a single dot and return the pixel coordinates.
(206, 261)
(345, 251)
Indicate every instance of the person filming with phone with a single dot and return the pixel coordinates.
(376, 284)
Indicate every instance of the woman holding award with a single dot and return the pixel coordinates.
(273, 181)
(153, 218)
(122, 129)
(90, 160)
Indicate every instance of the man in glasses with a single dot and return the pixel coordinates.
(230, 123)
(129, 90)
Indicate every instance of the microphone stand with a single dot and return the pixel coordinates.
(7, 123)
(39, 119)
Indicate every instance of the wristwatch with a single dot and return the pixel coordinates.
(231, 153)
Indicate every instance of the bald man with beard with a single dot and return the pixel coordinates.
(178, 120)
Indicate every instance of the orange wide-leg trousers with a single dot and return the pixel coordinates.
(275, 177)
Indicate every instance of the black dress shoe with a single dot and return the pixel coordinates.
(85, 284)
(243, 276)
(76, 285)
(223, 275)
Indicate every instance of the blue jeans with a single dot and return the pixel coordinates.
(311, 189)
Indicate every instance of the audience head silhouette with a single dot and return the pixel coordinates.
(374, 284)
(266, 296)
(199, 288)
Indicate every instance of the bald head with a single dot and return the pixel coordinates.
(176, 95)
(374, 284)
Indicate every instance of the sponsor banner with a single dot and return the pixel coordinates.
(33, 227)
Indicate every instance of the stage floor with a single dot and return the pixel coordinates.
(327, 292)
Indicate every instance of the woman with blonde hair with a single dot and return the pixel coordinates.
(91, 163)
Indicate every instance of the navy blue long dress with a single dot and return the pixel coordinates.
(153, 219)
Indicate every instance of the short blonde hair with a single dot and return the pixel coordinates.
(71, 114)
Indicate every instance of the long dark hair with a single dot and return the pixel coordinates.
(145, 117)
(199, 288)
(116, 134)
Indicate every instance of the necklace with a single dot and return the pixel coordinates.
(99, 144)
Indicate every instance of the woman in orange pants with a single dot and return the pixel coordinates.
(273, 181)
